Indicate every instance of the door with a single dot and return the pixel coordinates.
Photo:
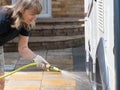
(46, 12)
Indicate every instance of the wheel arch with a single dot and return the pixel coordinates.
(100, 60)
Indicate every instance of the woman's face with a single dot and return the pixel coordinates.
(28, 16)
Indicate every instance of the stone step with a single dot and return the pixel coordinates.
(58, 27)
(39, 27)
(59, 20)
(50, 39)
(60, 23)
(54, 33)
(59, 30)
(46, 43)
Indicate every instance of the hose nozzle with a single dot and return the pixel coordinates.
(53, 68)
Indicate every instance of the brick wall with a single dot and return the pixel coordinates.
(62, 8)
(68, 8)
(4, 2)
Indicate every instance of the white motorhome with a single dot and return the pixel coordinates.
(102, 43)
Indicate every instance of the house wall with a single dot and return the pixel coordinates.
(4, 2)
(68, 8)
(62, 8)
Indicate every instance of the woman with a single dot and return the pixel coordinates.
(16, 20)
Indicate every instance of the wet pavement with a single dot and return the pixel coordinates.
(70, 60)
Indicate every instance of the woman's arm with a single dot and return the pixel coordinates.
(23, 48)
(26, 53)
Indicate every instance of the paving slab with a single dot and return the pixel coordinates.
(36, 79)
(27, 76)
(47, 81)
(61, 58)
(11, 58)
(22, 85)
(58, 88)
(24, 81)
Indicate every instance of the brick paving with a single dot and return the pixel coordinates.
(35, 79)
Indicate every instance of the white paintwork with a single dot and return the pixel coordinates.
(93, 35)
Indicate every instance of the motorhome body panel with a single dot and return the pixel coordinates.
(99, 30)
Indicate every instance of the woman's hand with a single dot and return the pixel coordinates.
(41, 62)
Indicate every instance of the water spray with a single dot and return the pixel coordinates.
(51, 68)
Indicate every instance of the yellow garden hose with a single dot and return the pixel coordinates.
(21, 68)
(51, 68)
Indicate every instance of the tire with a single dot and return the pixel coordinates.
(98, 78)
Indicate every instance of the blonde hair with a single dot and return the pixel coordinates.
(24, 5)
